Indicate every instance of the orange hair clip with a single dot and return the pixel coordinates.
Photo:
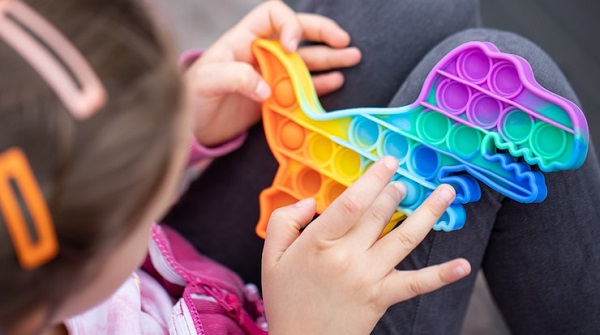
(33, 245)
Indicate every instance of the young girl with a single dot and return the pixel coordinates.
(95, 122)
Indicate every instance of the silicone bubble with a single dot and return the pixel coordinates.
(394, 144)
(364, 133)
(453, 96)
(484, 111)
(284, 93)
(291, 135)
(307, 182)
(424, 162)
(465, 141)
(505, 80)
(319, 149)
(516, 126)
(433, 126)
(474, 66)
(346, 164)
(547, 140)
(480, 116)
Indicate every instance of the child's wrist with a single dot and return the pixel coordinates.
(200, 152)
(188, 57)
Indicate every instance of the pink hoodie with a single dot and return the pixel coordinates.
(179, 291)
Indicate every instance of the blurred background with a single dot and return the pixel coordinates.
(566, 30)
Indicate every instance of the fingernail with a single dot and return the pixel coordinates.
(262, 90)
(292, 44)
(400, 186)
(390, 162)
(460, 271)
(304, 202)
(446, 194)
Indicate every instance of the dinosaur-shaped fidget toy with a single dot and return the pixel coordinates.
(480, 115)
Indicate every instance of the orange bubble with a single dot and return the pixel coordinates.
(332, 191)
(292, 135)
(308, 182)
(284, 93)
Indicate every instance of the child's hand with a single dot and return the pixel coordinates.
(225, 84)
(337, 277)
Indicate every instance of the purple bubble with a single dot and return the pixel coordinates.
(505, 80)
(474, 66)
(484, 111)
(453, 96)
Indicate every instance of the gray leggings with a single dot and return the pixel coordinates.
(542, 261)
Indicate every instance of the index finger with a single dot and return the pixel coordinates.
(273, 17)
(317, 28)
(397, 244)
(350, 206)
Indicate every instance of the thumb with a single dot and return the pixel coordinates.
(217, 79)
(284, 227)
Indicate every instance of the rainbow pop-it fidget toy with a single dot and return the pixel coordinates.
(479, 110)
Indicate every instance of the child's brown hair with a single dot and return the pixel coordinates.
(98, 175)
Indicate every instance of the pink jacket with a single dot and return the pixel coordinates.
(178, 291)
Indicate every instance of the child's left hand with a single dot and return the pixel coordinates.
(226, 87)
(338, 276)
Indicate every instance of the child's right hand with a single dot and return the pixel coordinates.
(338, 276)
(227, 89)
